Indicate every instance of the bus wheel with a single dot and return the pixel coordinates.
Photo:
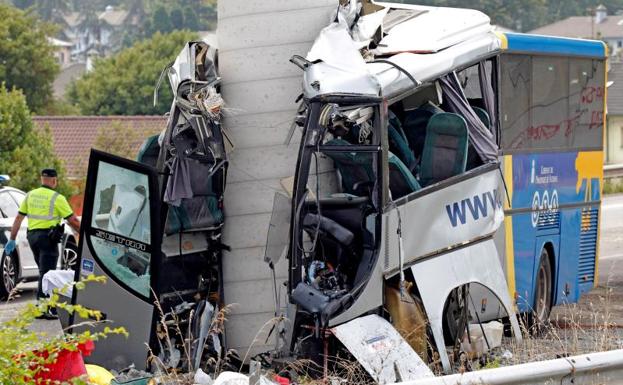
(455, 315)
(543, 294)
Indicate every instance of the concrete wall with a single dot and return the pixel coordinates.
(614, 140)
(256, 40)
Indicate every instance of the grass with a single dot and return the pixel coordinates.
(613, 186)
(592, 325)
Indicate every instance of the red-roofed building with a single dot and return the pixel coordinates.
(74, 136)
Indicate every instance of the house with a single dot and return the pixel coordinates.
(101, 36)
(601, 26)
(62, 51)
(614, 126)
(74, 136)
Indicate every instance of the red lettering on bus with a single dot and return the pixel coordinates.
(591, 94)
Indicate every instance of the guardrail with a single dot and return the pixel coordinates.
(613, 171)
(592, 368)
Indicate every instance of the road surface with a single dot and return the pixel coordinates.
(611, 245)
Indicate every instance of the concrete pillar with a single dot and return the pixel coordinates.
(256, 40)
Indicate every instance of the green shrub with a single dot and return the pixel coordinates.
(21, 349)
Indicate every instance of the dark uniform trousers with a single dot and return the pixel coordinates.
(45, 252)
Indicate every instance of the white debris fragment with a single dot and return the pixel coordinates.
(231, 378)
(202, 378)
(507, 355)
(265, 381)
(480, 343)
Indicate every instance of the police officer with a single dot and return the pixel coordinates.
(45, 209)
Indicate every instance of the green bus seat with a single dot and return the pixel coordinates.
(401, 179)
(445, 148)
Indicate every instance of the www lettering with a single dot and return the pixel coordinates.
(479, 206)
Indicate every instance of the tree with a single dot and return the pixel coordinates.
(24, 152)
(26, 57)
(525, 15)
(160, 20)
(53, 10)
(191, 20)
(177, 18)
(124, 83)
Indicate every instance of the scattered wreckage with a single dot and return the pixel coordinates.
(400, 137)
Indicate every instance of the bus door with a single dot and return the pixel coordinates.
(120, 239)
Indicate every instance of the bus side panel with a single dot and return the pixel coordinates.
(524, 236)
(589, 238)
(566, 282)
(548, 188)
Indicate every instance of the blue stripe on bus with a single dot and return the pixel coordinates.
(555, 45)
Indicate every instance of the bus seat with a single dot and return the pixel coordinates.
(445, 148)
(393, 120)
(401, 179)
(473, 159)
(149, 151)
(400, 146)
(415, 126)
(353, 167)
(483, 116)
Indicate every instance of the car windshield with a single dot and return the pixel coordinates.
(7, 205)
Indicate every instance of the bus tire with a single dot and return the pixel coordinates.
(542, 294)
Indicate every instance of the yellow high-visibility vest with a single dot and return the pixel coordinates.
(45, 208)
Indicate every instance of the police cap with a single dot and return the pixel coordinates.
(49, 172)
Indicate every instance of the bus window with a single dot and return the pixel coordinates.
(586, 102)
(549, 117)
(551, 103)
(515, 100)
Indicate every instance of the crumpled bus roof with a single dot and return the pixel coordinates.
(425, 42)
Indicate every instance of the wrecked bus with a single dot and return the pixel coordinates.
(153, 228)
(447, 174)
(442, 180)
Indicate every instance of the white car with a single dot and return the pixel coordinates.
(21, 266)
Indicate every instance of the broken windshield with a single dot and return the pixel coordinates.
(337, 192)
(278, 230)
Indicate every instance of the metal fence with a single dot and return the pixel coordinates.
(592, 368)
(613, 171)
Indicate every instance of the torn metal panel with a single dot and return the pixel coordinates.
(437, 277)
(342, 57)
(380, 349)
(339, 66)
(384, 79)
(436, 28)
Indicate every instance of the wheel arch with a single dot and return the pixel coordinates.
(551, 253)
